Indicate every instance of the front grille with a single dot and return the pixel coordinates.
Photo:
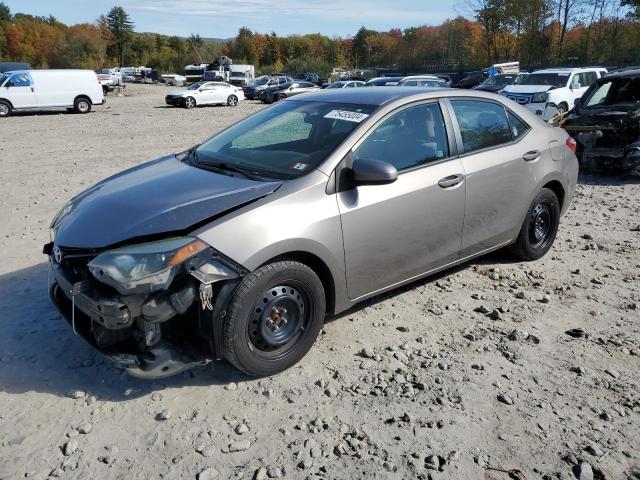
(521, 99)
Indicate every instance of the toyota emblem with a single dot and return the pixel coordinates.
(57, 254)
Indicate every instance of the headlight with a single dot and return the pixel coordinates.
(146, 267)
(540, 97)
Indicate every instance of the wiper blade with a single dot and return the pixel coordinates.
(250, 174)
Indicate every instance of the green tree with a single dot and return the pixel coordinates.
(121, 28)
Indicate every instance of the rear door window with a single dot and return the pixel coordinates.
(482, 124)
(518, 127)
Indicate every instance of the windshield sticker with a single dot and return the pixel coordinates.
(299, 166)
(346, 115)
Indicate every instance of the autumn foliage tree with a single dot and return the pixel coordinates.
(535, 32)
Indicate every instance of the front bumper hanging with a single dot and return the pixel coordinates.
(114, 325)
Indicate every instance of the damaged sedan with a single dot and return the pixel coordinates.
(241, 246)
(606, 124)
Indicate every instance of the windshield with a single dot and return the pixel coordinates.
(551, 79)
(262, 80)
(614, 92)
(335, 85)
(286, 140)
(195, 86)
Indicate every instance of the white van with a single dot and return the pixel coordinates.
(75, 90)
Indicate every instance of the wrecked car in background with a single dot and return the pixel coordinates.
(238, 247)
(606, 124)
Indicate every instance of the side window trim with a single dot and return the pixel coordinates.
(453, 149)
(458, 133)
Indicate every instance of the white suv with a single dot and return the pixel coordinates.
(554, 88)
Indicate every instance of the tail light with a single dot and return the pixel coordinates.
(571, 144)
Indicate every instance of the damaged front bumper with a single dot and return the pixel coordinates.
(150, 335)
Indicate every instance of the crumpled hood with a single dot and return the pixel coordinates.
(526, 88)
(162, 196)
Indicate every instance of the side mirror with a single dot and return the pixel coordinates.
(373, 172)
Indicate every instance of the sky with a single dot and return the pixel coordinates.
(223, 18)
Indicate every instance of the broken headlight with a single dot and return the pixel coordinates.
(540, 97)
(146, 267)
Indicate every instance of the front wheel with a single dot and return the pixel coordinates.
(539, 228)
(189, 102)
(273, 318)
(232, 101)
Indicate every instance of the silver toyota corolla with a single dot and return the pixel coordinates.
(240, 247)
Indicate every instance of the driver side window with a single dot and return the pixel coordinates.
(20, 80)
(411, 137)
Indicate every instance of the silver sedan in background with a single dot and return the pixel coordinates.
(241, 246)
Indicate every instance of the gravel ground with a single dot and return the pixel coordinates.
(447, 378)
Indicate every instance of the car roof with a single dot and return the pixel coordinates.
(417, 77)
(373, 95)
(625, 72)
(568, 69)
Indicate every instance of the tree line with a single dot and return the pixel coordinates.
(535, 32)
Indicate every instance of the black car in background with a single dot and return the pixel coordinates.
(498, 82)
(280, 92)
(606, 124)
(471, 80)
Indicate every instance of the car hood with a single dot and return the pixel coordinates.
(526, 88)
(162, 196)
(489, 88)
(177, 93)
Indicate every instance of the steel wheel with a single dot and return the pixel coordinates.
(232, 101)
(278, 318)
(541, 224)
(82, 105)
(5, 110)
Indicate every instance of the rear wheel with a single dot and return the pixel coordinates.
(232, 101)
(82, 105)
(189, 102)
(274, 318)
(5, 109)
(539, 228)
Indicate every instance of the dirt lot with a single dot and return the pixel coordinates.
(442, 379)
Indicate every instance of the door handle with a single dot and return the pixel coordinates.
(451, 181)
(531, 156)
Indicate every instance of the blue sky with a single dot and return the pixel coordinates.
(222, 18)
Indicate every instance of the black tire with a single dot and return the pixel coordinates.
(5, 109)
(189, 102)
(281, 96)
(539, 228)
(260, 300)
(82, 105)
(232, 101)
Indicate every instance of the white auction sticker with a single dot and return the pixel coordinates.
(346, 115)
